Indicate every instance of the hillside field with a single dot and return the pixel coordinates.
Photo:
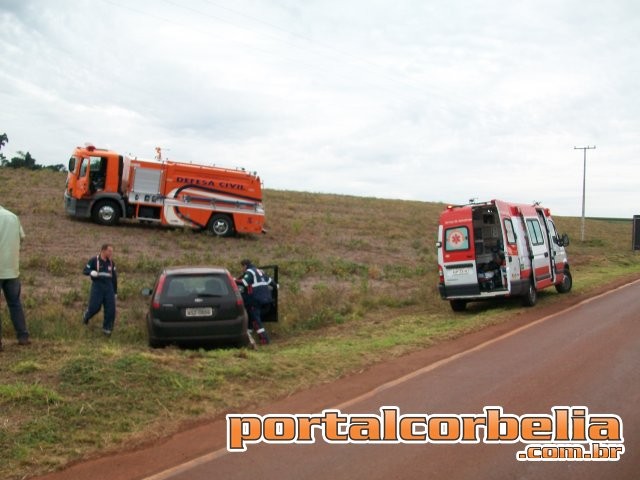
(358, 284)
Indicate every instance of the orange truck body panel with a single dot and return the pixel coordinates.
(107, 186)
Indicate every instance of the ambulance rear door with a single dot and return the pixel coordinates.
(457, 255)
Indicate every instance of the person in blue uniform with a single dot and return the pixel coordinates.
(256, 295)
(104, 287)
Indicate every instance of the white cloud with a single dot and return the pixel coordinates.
(443, 100)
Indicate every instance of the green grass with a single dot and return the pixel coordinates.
(357, 286)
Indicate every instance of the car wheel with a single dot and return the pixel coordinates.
(567, 283)
(153, 342)
(247, 342)
(220, 225)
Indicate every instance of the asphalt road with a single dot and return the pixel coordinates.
(587, 355)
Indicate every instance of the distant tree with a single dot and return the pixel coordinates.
(29, 161)
(22, 160)
(3, 141)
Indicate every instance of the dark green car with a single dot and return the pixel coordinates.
(196, 305)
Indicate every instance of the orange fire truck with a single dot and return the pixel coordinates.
(107, 186)
(499, 249)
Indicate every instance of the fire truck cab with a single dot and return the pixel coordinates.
(499, 249)
(106, 186)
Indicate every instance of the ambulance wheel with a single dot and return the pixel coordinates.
(567, 283)
(220, 225)
(531, 297)
(106, 212)
(458, 305)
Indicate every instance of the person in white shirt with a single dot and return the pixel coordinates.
(11, 234)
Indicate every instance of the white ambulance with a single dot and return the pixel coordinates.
(499, 249)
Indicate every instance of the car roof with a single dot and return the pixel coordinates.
(195, 270)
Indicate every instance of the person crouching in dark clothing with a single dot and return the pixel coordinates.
(104, 287)
(257, 294)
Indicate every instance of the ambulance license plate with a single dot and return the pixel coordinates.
(199, 312)
(459, 271)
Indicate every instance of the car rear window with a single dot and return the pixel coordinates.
(187, 286)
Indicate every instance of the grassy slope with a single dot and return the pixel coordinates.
(347, 264)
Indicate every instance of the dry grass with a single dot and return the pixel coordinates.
(326, 246)
(346, 263)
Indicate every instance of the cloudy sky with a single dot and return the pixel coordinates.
(434, 100)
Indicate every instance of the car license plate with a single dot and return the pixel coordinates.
(199, 312)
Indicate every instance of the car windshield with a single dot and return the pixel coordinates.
(188, 286)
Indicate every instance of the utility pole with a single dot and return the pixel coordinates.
(584, 183)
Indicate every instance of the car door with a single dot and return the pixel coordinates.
(82, 183)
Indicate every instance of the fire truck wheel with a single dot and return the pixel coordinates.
(531, 297)
(106, 212)
(458, 305)
(567, 283)
(220, 225)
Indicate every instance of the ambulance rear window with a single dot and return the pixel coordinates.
(456, 239)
